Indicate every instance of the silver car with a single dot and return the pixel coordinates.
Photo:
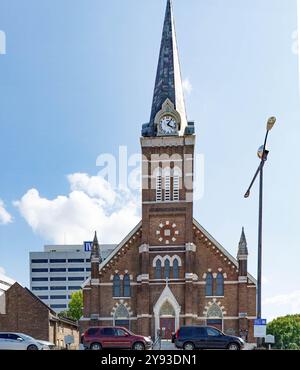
(18, 341)
(46, 345)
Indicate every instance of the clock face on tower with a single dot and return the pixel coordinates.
(168, 125)
(167, 232)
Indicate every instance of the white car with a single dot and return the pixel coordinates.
(18, 341)
(46, 345)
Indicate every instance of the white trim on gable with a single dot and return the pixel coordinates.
(221, 248)
(120, 246)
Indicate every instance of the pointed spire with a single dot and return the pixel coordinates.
(243, 250)
(168, 84)
(95, 238)
(95, 248)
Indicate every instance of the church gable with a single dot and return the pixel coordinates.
(125, 258)
(212, 257)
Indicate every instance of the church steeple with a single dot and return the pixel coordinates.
(168, 84)
(95, 258)
(243, 250)
(95, 248)
(242, 255)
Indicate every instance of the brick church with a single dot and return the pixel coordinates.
(169, 271)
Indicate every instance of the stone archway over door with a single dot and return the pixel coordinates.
(166, 312)
(215, 317)
(121, 317)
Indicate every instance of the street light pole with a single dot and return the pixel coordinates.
(259, 257)
(263, 155)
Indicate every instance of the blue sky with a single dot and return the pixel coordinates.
(77, 81)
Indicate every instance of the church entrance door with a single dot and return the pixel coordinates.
(167, 327)
(218, 324)
(167, 320)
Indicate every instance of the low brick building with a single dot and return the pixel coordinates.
(23, 312)
(169, 271)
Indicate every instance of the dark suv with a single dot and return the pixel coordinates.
(114, 337)
(205, 337)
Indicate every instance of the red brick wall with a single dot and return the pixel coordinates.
(25, 314)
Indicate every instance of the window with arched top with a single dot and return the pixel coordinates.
(158, 269)
(215, 312)
(176, 187)
(167, 269)
(167, 309)
(220, 285)
(117, 286)
(176, 269)
(121, 317)
(126, 285)
(159, 187)
(209, 285)
(167, 188)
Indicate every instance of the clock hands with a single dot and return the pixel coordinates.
(168, 123)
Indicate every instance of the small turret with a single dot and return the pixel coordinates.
(95, 258)
(242, 255)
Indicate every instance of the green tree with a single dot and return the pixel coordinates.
(75, 310)
(286, 331)
(64, 314)
(76, 305)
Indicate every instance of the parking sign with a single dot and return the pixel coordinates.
(260, 328)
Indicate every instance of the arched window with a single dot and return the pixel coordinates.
(167, 310)
(159, 188)
(158, 269)
(117, 286)
(167, 269)
(167, 188)
(126, 285)
(176, 188)
(215, 317)
(209, 285)
(176, 269)
(220, 285)
(121, 317)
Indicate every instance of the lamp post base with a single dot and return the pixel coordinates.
(259, 343)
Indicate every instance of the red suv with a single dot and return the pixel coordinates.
(114, 337)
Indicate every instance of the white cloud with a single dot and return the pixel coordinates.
(282, 304)
(187, 86)
(5, 217)
(2, 271)
(94, 186)
(91, 205)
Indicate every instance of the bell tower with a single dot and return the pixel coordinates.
(167, 145)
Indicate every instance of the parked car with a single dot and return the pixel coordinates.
(98, 338)
(18, 341)
(46, 345)
(205, 337)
